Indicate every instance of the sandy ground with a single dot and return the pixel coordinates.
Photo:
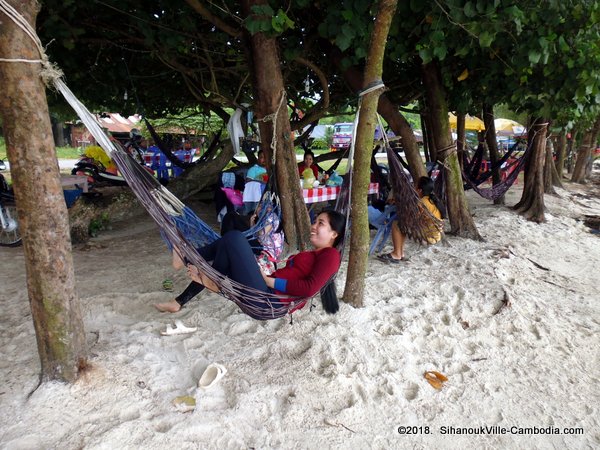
(511, 321)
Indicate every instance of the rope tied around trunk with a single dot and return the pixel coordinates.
(50, 71)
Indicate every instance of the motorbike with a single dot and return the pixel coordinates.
(10, 235)
(97, 173)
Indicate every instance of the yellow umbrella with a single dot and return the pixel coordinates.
(508, 127)
(471, 123)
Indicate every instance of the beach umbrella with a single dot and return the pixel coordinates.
(471, 122)
(507, 127)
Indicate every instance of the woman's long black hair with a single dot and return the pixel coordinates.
(329, 299)
(426, 185)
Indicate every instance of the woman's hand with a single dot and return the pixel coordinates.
(269, 281)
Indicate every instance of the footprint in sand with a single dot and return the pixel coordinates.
(245, 326)
(163, 426)
(460, 292)
(411, 391)
(327, 368)
(129, 414)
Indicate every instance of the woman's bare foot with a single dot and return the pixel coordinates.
(177, 261)
(171, 306)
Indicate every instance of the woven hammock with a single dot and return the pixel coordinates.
(172, 217)
(414, 220)
(472, 167)
(498, 190)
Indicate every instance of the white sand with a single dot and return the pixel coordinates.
(343, 381)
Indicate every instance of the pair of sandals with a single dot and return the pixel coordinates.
(388, 258)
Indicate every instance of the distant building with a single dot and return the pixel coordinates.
(117, 125)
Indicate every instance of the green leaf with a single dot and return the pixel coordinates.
(348, 30)
(281, 22)
(470, 9)
(534, 56)
(462, 51)
(343, 41)
(438, 36)
(486, 38)
(563, 44)
(347, 14)
(425, 54)
(440, 51)
(262, 10)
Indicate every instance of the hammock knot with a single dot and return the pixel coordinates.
(375, 85)
(50, 72)
(443, 153)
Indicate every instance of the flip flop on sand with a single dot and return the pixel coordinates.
(179, 328)
(388, 258)
(435, 379)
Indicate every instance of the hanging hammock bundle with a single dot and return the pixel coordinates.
(413, 219)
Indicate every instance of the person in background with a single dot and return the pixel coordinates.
(308, 163)
(256, 179)
(434, 206)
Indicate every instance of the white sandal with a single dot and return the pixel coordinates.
(213, 373)
(179, 328)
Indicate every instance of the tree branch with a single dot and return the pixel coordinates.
(210, 17)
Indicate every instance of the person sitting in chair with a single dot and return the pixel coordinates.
(307, 163)
(434, 206)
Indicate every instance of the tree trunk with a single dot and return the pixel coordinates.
(531, 204)
(359, 238)
(583, 155)
(550, 173)
(561, 153)
(461, 222)
(570, 152)
(425, 130)
(58, 132)
(492, 145)
(461, 138)
(392, 116)
(40, 204)
(271, 109)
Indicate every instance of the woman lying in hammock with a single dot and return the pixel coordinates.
(305, 273)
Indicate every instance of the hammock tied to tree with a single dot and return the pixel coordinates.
(170, 214)
(473, 179)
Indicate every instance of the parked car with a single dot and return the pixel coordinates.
(342, 135)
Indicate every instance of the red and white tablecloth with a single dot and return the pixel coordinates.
(326, 193)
